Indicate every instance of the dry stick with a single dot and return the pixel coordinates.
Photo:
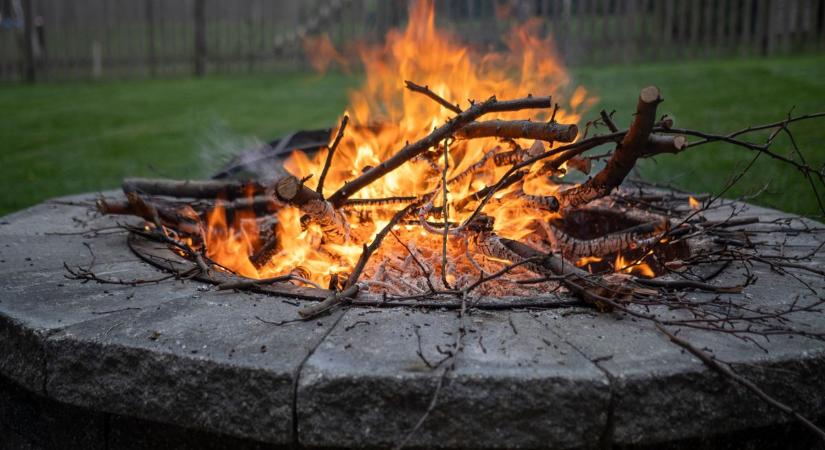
(624, 158)
(438, 99)
(723, 369)
(688, 284)
(445, 213)
(608, 121)
(250, 282)
(410, 151)
(385, 201)
(520, 129)
(330, 153)
(211, 189)
(329, 302)
(658, 144)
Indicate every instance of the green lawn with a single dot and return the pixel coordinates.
(73, 137)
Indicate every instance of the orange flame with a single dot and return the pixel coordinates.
(694, 204)
(634, 267)
(383, 116)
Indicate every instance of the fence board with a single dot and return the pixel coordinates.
(173, 37)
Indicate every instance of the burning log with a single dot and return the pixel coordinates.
(211, 189)
(520, 129)
(333, 222)
(632, 147)
(619, 241)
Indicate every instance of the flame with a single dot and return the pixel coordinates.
(635, 267)
(384, 116)
(694, 204)
(583, 261)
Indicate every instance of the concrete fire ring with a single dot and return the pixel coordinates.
(178, 364)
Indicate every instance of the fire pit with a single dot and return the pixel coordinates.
(156, 363)
(431, 272)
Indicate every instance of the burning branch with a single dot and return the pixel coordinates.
(439, 134)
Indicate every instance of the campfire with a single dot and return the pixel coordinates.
(419, 194)
(465, 180)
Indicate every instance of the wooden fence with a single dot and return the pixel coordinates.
(70, 39)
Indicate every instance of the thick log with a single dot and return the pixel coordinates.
(410, 151)
(520, 129)
(211, 189)
(632, 147)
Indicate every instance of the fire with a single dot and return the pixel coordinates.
(633, 267)
(694, 204)
(384, 116)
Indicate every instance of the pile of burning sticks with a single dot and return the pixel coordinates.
(579, 230)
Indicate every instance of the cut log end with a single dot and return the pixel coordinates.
(650, 94)
(287, 188)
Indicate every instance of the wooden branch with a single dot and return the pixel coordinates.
(332, 221)
(580, 283)
(659, 143)
(375, 202)
(518, 154)
(520, 129)
(619, 241)
(181, 218)
(320, 188)
(266, 252)
(410, 151)
(328, 303)
(370, 249)
(624, 157)
(543, 202)
(211, 189)
(438, 99)
(608, 121)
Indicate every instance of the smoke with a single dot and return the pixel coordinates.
(220, 147)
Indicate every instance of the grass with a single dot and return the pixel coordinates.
(75, 137)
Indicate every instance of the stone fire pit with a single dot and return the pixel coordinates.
(177, 363)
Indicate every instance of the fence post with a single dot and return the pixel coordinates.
(28, 42)
(150, 38)
(200, 38)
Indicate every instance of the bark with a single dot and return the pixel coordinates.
(333, 222)
(520, 129)
(211, 189)
(619, 241)
(632, 147)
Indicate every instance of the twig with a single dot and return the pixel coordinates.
(328, 162)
